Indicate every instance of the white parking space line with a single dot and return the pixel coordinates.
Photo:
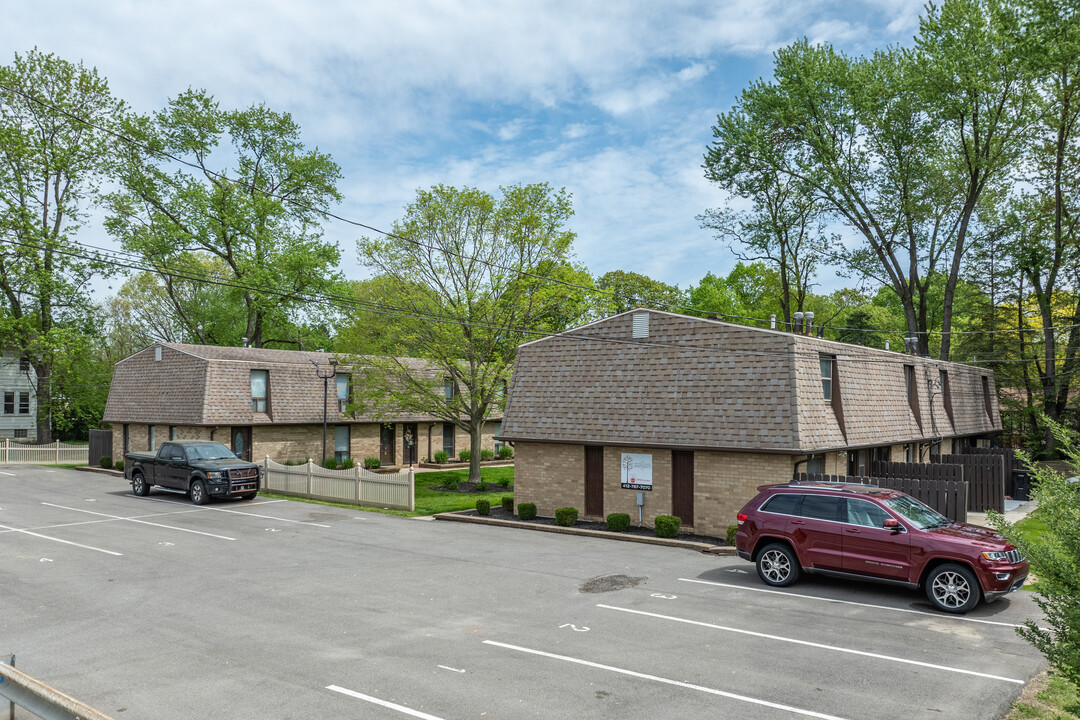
(141, 522)
(8, 474)
(385, 704)
(238, 512)
(65, 542)
(98, 522)
(666, 681)
(807, 643)
(937, 616)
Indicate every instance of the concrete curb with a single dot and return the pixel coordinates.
(103, 471)
(666, 542)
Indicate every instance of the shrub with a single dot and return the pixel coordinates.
(348, 464)
(331, 464)
(618, 522)
(566, 516)
(464, 455)
(119, 465)
(481, 486)
(487, 454)
(527, 511)
(506, 452)
(508, 503)
(483, 507)
(451, 484)
(731, 530)
(106, 462)
(441, 456)
(371, 463)
(505, 482)
(666, 526)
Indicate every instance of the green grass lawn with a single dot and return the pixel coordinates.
(429, 502)
(1047, 698)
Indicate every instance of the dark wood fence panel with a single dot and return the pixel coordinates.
(985, 476)
(1013, 467)
(100, 446)
(944, 490)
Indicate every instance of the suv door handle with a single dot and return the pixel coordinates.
(853, 531)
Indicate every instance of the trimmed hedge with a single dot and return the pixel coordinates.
(618, 522)
(106, 462)
(666, 526)
(464, 455)
(566, 516)
(508, 503)
(370, 463)
(483, 507)
(119, 465)
(506, 452)
(527, 511)
(441, 456)
(348, 464)
(487, 454)
(731, 530)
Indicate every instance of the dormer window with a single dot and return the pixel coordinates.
(157, 353)
(343, 389)
(827, 376)
(259, 390)
(448, 389)
(24, 365)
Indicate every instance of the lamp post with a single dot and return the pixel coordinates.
(325, 374)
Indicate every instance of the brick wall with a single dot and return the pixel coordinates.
(552, 476)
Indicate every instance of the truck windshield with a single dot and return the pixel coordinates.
(916, 513)
(209, 451)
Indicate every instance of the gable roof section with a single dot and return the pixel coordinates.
(708, 384)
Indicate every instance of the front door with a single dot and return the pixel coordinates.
(594, 481)
(241, 442)
(682, 486)
(386, 444)
(410, 443)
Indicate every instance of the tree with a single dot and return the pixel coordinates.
(55, 148)
(622, 291)
(260, 219)
(1054, 556)
(470, 274)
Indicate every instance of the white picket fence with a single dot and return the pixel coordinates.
(356, 486)
(57, 453)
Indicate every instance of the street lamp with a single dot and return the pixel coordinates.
(325, 373)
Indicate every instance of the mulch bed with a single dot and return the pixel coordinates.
(497, 513)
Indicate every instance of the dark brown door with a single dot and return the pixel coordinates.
(594, 481)
(682, 486)
(241, 442)
(386, 444)
(411, 441)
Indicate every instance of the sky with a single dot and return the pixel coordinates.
(615, 101)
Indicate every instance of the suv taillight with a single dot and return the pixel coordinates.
(741, 517)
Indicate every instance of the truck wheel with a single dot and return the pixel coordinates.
(199, 496)
(139, 486)
(777, 565)
(953, 588)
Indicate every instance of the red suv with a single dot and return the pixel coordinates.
(871, 533)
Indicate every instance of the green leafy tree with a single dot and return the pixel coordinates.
(462, 271)
(622, 291)
(259, 218)
(1054, 557)
(54, 152)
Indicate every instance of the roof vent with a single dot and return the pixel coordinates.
(641, 325)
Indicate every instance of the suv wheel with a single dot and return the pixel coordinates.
(777, 565)
(139, 486)
(953, 588)
(199, 496)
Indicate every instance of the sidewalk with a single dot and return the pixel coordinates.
(1014, 510)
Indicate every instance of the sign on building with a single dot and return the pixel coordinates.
(636, 471)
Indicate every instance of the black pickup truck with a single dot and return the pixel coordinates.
(201, 469)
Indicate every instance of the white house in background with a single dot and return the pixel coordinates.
(18, 403)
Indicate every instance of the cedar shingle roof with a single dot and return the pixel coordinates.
(209, 385)
(709, 384)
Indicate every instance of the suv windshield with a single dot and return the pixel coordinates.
(209, 451)
(916, 513)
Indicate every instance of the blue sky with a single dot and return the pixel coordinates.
(614, 101)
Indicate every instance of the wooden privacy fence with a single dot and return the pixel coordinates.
(100, 446)
(985, 476)
(1014, 469)
(56, 453)
(356, 485)
(947, 496)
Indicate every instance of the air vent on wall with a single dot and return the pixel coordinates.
(641, 325)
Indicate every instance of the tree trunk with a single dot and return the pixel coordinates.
(43, 394)
(476, 434)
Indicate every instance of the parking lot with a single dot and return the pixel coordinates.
(154, 608)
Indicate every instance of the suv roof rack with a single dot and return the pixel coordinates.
(841, 485)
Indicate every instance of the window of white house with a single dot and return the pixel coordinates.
(24, 365)
(9, 403)
(826, 376)
(258, 390)
(24, 403)
(21, 433)
(342, 391)
(341, 442)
